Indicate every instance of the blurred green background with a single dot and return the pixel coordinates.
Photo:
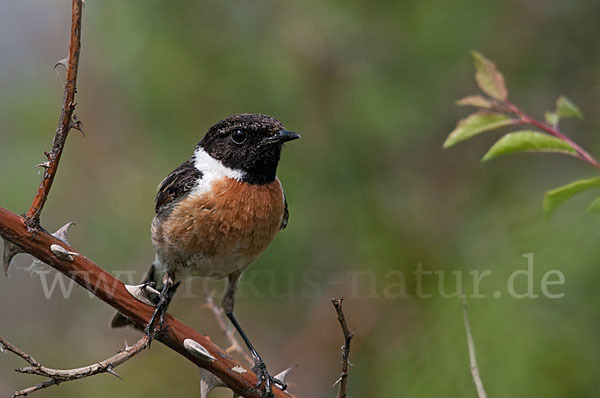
(371, 87)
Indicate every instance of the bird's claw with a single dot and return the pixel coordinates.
(159, 311)
(263, 376)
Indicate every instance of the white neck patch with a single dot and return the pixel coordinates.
(212, 170)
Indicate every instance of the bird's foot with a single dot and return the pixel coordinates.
(160, 310)
(264, 377)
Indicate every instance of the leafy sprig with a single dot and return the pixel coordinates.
(496, 111)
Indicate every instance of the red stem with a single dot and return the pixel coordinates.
(581, 153)
(64, 122)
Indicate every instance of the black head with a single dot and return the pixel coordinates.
(248, 142)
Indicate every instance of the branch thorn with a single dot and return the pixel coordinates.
(76, 124)
(62, 62)
(62, 253)
(62, 232)
(112, 372)
(45, 165)
(10, 250)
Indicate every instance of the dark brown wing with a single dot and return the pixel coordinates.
(286, 214)
(177, 184)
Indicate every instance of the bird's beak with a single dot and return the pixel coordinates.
(282, 136)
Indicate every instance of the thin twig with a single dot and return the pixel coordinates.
(526, 119)
(343, 380)
(64, 123)
(234, 344)
(5, 344)
(471, 346)
(57, 376)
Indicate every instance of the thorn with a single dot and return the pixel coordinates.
(283, 374)
(198, 350)
(47, 154)
(45, 165)
(112, 372)
(62, 232)
(208, 382)
(76, 124)
(62, 62)
(144, 293)
(62, 253)
(10, 250)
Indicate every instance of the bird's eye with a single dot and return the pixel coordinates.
(238, 136)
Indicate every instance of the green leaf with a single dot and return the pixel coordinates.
(595, 206)
(565, 108)
(477, 123)
(528, 141)
(551, 118)
(555, 197)
(489, 79)
(476, 100)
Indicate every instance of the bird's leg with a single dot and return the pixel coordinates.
(166, 294)
(259, 365)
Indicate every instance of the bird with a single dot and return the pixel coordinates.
(217, 212)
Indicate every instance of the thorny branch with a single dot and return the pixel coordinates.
(65, 122)
(176, 335)
(343, 380)
(471, 346)
(57, 376)
(24, 234)
(234, 344)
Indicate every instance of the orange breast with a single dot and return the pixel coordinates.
(222, 230)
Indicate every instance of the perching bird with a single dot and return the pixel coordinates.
(218, 211)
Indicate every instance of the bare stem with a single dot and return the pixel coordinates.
(57, 376)
(471, 346)
(234, 344)
(343, 380)
(5, 344)
(64, 122)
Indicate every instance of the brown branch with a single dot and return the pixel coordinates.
(471, 346)
(343, 380)
(5, 344)
(58, 376)
(64, 122)
(57, 254)
(176, 335)
(234, 344)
